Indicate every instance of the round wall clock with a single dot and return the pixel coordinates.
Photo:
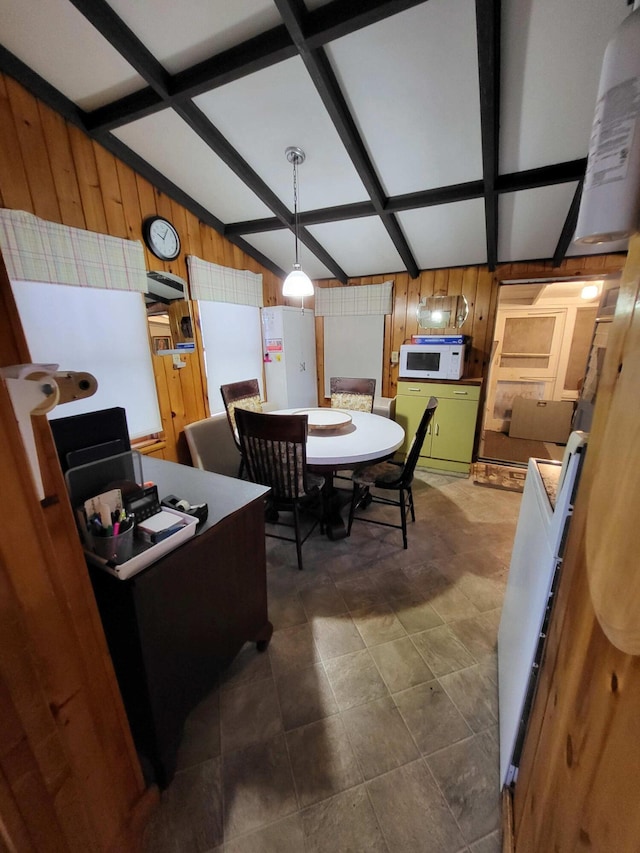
(161, 237)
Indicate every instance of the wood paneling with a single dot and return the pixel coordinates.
(576, 787)
(53, 170)
(481, 290)
(69, 774)
(76, 765)
(60, 174)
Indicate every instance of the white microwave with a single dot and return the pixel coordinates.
(431, 361)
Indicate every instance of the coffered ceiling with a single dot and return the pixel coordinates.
(437, 134)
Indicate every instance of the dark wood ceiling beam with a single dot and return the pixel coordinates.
(210, 134)
(488, 39)
(339, 213)
(439, 195)
(124, 41)
(128, 45)
(294, 15)
(343, 17)
(334, 20)
(569, 227)
(135, 162)
(256, 54)
(253, 55)
(361, 209)
(205, 129)
(544, 176)
(33, 82)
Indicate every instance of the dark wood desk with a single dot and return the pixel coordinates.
(174, 626)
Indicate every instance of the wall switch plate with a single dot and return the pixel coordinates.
(395, 357)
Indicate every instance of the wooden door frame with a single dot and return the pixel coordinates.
(542, 274)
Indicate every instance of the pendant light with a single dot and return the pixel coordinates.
(297, 284)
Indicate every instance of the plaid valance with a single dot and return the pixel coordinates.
(213, 283)
(36, 250)
(361, 299)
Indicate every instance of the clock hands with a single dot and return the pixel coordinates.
(162, 238)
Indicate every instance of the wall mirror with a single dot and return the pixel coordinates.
(442, 312)
(169, 314)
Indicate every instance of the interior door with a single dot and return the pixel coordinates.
(525, 362)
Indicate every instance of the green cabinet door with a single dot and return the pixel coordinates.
(409, 411)
(448, 445)
(453, 430)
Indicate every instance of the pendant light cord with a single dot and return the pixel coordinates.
(295, 203)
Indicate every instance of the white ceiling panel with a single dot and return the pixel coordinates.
(169, 145)
(447, 235)
(411, 82)
(185, 33)
(364, 248)
(407, 87)
(280, 247)
(262, 114)
(531, 222)
(46, 35)
(551, 58)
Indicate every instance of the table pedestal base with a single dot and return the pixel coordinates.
(333, 500)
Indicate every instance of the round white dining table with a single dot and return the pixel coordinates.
(363, 438)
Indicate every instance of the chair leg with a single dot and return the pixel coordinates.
(296, 522)
(241, 468)
(403, 517)
(355, 495)
(411, 507)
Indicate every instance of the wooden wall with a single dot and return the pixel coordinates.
(67, 767)
(478, 285)
(50, 168)
(69, 775)
(577, 788)
(53, 170)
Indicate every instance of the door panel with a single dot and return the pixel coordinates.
(525, 363)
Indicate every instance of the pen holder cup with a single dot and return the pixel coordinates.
(117, 549)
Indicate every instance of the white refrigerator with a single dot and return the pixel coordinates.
(538, 548)
(289, 345)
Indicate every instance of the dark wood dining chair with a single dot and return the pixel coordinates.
(274, 449)
(240, 395)
(391, 477)
(355, 395)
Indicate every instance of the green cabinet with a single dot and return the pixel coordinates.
(448, 445)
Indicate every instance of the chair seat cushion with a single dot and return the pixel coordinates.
(351, 401)
(382, 474)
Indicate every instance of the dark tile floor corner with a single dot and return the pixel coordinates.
(370, 724)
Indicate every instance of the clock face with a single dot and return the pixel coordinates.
(161, 237)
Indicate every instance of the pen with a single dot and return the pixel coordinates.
(116, 528)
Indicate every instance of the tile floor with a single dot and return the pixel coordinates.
(371, 722)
